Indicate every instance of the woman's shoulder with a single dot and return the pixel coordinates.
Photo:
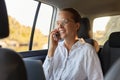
(93, 42)
(86, 46)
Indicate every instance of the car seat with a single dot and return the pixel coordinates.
(110, 51)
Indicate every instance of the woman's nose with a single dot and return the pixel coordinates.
(60, 26)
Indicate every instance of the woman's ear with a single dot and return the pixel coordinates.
(78, 26)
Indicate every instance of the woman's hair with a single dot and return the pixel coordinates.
(75, 13)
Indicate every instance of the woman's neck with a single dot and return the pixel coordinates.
(69, 43)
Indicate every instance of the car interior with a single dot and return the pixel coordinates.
(89, 9)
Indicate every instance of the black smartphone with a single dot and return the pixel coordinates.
(56, 35)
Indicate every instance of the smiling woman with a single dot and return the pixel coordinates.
(70, 59)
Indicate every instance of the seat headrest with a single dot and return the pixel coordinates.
(11, 66)
(114, 40)
(84, 28)
(4, 26)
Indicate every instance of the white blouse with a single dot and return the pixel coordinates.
(82, 63)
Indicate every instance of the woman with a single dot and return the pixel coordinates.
(70, 59)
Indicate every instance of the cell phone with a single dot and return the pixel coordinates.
(56, 35)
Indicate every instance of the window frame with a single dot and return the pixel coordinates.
(53, 18)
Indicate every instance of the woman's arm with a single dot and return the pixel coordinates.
(47, 67)
(94, 70)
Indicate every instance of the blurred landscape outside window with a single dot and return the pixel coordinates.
(21, 15)
(104, 26)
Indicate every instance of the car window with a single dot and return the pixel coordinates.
(21, 16)
(42, 27)
(104, 26)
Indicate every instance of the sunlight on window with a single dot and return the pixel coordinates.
(44, 19)
(22, 10)
(99, 29)
(99, 24)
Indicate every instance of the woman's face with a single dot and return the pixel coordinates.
(66, 25)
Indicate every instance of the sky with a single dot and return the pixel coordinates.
(24, 12)
(18, 11)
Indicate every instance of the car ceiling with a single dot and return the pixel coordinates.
(89, 8)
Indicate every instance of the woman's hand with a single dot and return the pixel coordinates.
(53, 42)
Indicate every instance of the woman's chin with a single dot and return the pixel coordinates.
(63, 36)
